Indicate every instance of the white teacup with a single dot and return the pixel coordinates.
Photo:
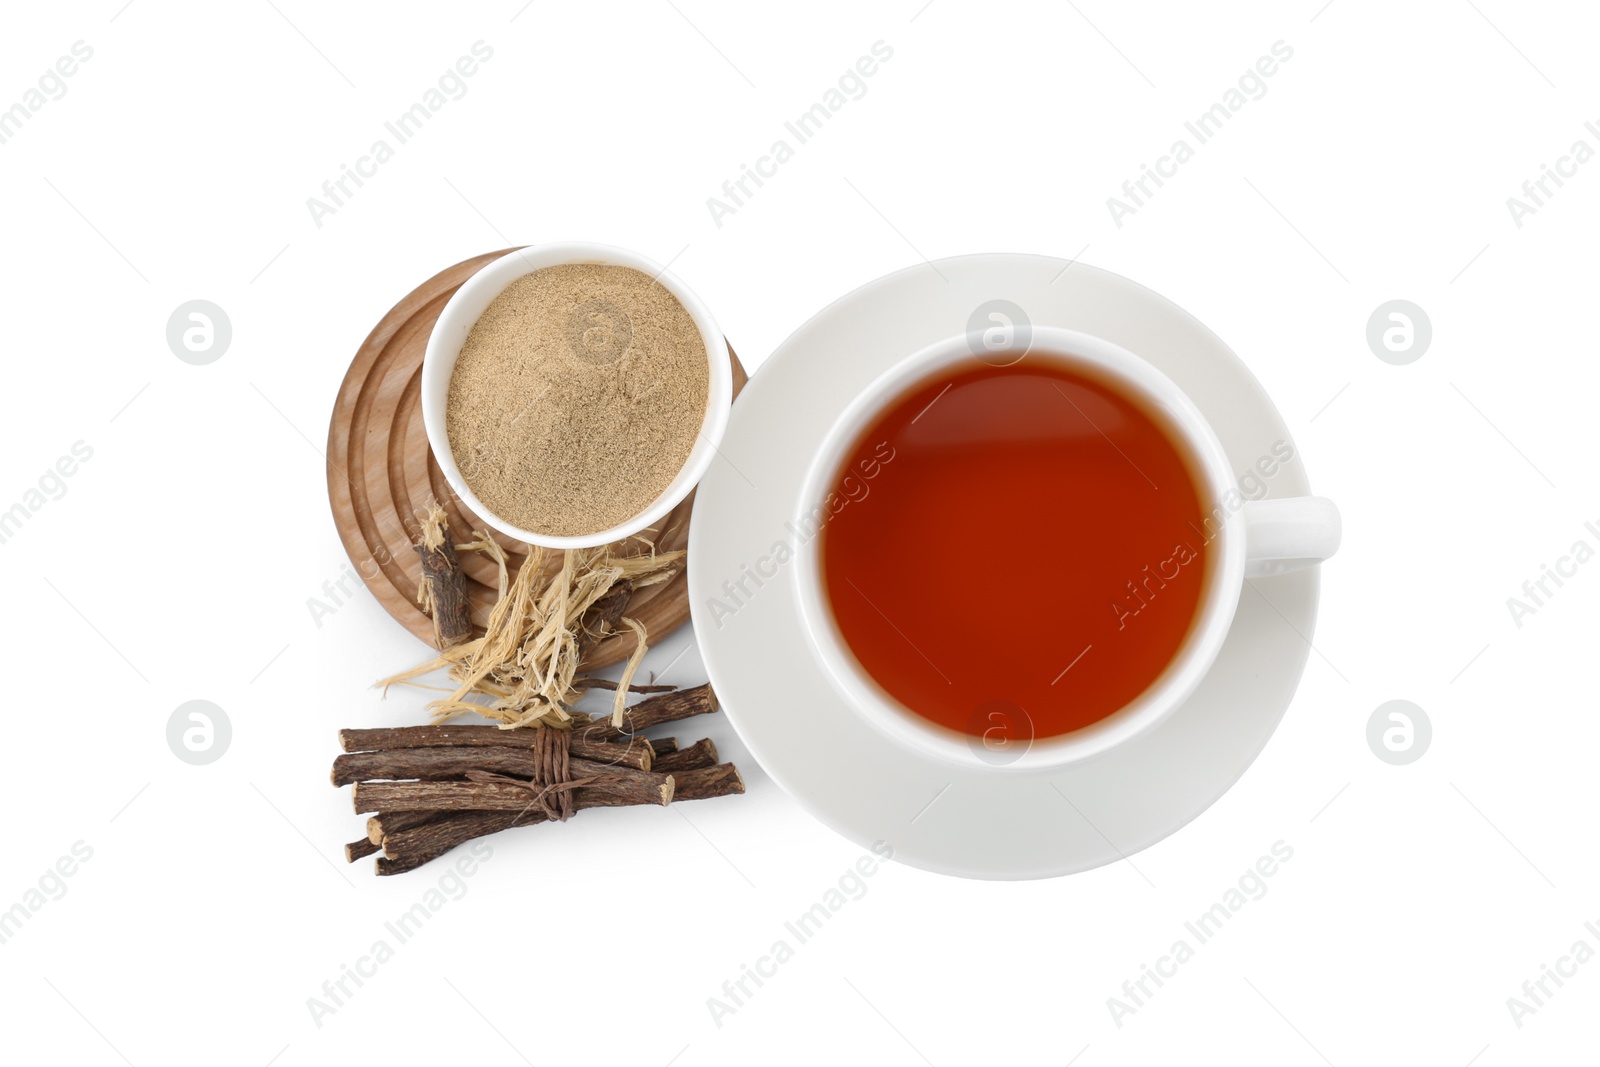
(1253, 538)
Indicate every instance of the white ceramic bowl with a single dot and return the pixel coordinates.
(473, 298)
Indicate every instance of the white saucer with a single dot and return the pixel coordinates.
(835, 764)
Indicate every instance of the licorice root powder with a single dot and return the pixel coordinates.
(577, 398)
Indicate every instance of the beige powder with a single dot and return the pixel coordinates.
(577, 398)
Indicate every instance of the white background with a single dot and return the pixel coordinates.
(180, 561)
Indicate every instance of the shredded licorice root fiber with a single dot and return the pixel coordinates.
(527, 660)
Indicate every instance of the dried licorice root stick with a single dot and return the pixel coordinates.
(408, 844)
(391, 822)
(416, 845)
(443, 590)
(585, 742)
(365, 847)
(611, 788)
(701, 754)
(668, 707)
(449, 763)
(434, 787)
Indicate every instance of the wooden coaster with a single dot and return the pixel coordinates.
(382, 480)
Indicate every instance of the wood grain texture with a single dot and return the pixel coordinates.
(382, 479)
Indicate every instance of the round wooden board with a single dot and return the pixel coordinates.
(382, 480)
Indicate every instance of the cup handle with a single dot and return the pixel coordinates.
(1289, 534)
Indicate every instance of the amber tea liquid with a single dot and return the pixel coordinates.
(1037, 540)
